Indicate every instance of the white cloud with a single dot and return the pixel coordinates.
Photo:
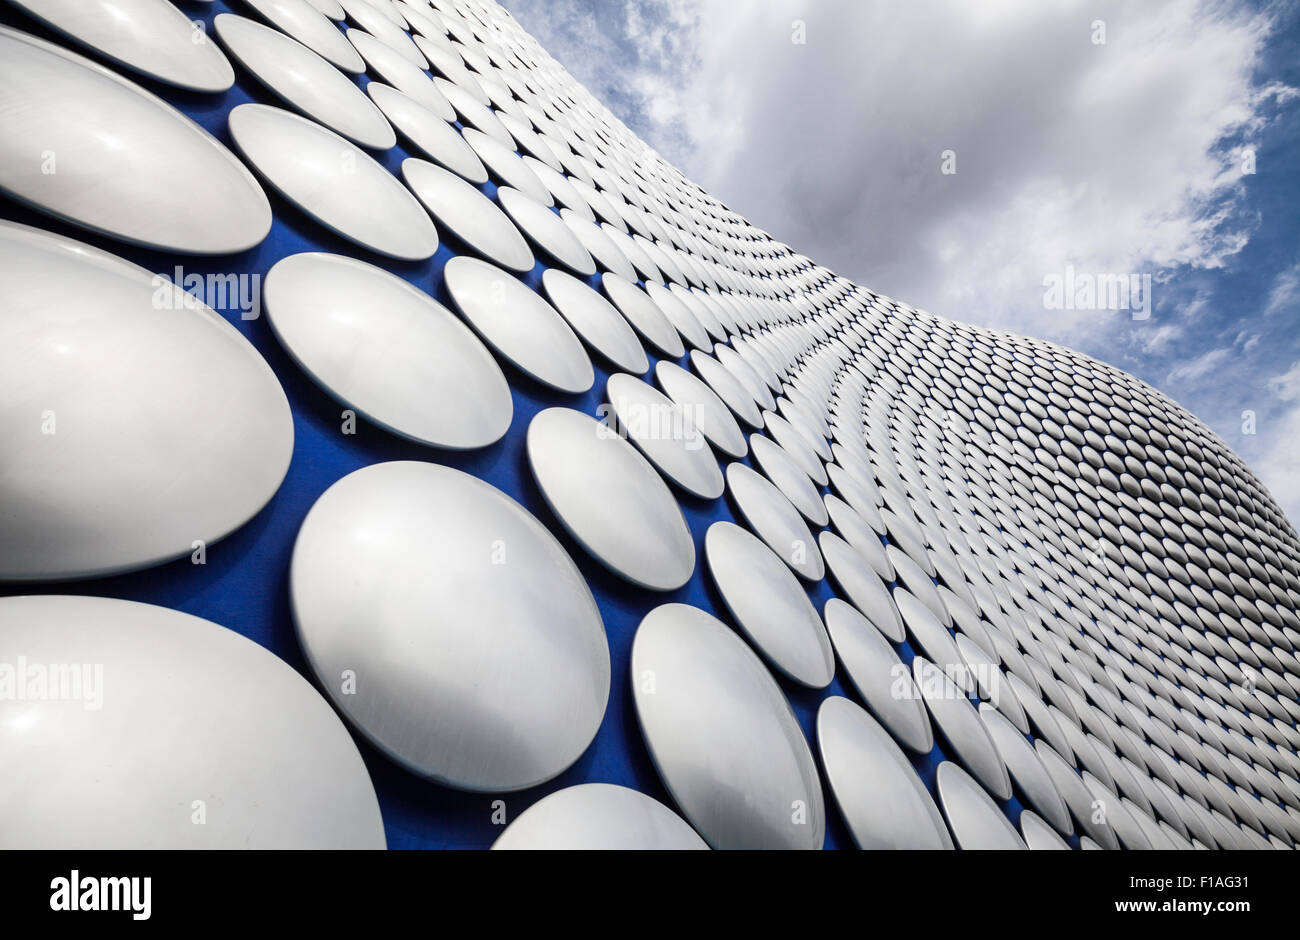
(1276, 460)
(1104, 156)
(1278, 466)
(1199, 367)
(1285, 292)
(1123, 158)
(1287, 385)
(1159, 339)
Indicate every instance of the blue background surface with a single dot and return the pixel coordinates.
(244, 584)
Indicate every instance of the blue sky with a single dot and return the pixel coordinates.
(1122, 157)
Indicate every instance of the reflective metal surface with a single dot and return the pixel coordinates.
(804, 447)
(991, 682)
(431, 135)
(722, 736)
(490, 140)
(778, 467)
(743, 372)
(769, 605)
(272, 765)
(330, 8)
(599, 245)
(1027, 771)
(1119, 818)
(918, 583)
(1039, 835)
(725, 385)
(390, 32)
(860, 585)
(711, 415)
(518, 324)
(680, 316)
(545, 230)
(135, 168)
(304, 80)
(960, 724)
(880, 677)
(148, 36)
(1076, 795)
(333, 181)
(610, 499)
(449, 626)
(666, 434)
(387, 349)
(513, 173)
(467, 214)
(930, 637)
(390, 66)
(305, 23)
(105, 372)
(598, 816)
(775, 521)
(975, 820)
(599, 324)
(858, 533)
(882, 799)
(645, 317)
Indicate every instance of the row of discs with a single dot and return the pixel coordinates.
(1033, 570)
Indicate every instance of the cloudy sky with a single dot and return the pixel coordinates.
(1120, 138)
